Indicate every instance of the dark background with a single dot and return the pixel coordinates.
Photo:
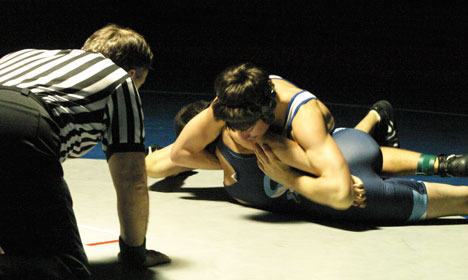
(412, 53)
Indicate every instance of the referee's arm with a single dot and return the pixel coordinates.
(124, 147)
(129, 177)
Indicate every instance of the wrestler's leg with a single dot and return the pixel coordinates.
(380, 124)
(405, 162)
(446, 200)
(401, 161)
(368, 123)
(395, 160)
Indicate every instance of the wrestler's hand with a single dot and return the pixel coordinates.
(271, 165)
(275, 141)
(359, 193)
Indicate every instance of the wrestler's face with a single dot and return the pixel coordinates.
(253, 133)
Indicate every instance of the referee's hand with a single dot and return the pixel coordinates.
(154, 258)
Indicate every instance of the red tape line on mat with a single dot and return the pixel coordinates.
(102, 243)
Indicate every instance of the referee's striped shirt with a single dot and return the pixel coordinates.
(89, 97)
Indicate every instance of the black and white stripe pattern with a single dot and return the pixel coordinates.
(90, 97)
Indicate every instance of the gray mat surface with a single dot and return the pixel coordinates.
(209, 237)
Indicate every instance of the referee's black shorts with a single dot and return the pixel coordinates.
(36, 215)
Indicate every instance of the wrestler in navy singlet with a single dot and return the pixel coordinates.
(387, 200)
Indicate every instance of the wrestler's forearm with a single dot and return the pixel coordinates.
(165, 169)
(160, 165)
(331, 184)
(319, 190)
(200, 160)
(189, 148)
(289, 152)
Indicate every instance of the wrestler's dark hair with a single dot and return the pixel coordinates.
(244, 95)
(124, 46)
(187, 113)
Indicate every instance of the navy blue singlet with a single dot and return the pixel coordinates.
(392, 199)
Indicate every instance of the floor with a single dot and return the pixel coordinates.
(208, 237)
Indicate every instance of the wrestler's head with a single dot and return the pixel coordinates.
(186, 113)
(245, 100)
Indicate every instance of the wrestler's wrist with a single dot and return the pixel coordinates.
(293, 180)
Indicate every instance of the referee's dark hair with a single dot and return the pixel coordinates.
(124, 46)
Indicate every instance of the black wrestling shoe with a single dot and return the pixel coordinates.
(453, 165)
(385, 132)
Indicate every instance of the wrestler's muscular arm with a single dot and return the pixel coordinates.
(189, 148)
(332, 184)
(160, 165)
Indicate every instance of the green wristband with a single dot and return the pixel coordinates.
(426, 165)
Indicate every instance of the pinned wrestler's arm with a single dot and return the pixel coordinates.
(160, 165)
(189, 148)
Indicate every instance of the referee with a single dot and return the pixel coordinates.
(56, 104)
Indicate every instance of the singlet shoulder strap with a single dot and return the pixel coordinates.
(223, 149)
(228, 153)
(296, 102)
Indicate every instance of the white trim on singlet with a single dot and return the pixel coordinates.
(296, 102)
(299, 99)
